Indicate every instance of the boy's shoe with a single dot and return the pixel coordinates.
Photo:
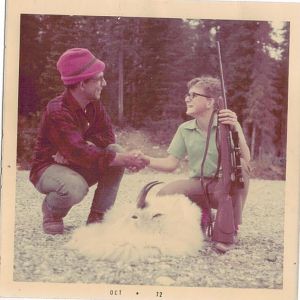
(223, 248)
(94, 217)
(52, 222)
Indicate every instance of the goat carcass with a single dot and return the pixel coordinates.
(159, 225)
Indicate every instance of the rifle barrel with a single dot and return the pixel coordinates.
(221, 75)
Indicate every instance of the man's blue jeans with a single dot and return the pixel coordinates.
(64, 187)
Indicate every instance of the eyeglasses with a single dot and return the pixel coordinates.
(99, 79)
(193, 95)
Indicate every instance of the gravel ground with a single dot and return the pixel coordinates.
(257, 261)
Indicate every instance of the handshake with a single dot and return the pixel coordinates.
(133, 160)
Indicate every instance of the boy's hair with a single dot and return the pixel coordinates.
(211, 85)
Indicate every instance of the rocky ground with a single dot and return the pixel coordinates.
(256, 262)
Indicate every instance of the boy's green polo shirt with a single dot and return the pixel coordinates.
(190, 140)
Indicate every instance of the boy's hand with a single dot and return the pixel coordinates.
(229, 117)
(140, 159)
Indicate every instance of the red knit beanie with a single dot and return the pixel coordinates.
(78, 64)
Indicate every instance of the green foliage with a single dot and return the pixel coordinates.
(149, 61)
(27, 133)
(238, 46)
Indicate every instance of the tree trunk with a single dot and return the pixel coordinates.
(121, 87)
(253, 136)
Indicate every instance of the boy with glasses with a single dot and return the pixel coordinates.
(190, 140)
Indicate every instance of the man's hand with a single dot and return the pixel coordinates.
(90, 143)
(58, 158)
(133, 160)
(140, 159)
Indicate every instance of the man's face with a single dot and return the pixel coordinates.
(197, 102)
(93, 87)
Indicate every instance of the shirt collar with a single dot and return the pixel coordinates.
(70, 101)
(193, 125)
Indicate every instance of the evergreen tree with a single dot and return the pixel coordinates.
(149, 61)
(167, 64)
(30, 63)
(237, 39)
(206, 62)
(59, 34)
(261, 96)
(281, 84)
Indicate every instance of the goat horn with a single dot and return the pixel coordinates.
(141, 200)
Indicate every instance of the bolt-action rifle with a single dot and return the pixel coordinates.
(231, 172)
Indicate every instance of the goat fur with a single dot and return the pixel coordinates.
(168, 225)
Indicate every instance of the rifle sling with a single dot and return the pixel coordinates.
(205, 185)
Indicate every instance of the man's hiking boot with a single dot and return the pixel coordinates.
(52, 222)
(94, 217)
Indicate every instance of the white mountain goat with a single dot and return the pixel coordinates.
(162, 225)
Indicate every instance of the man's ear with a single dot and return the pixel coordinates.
(81, 85)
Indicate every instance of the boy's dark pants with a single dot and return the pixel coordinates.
(192, 188)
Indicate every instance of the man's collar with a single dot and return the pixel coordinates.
(70, 101)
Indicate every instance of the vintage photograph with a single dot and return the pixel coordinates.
(151, 151)
(102, 95)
